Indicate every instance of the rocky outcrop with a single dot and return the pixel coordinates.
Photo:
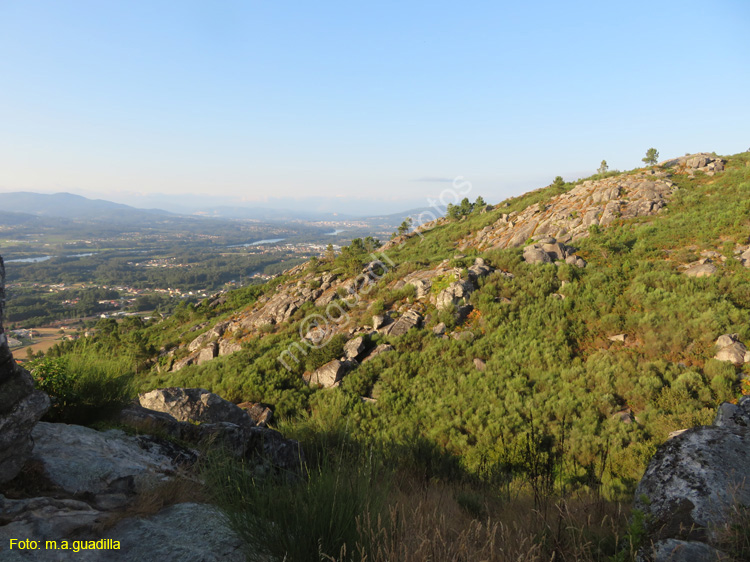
(691, 485)
(245, 440)
(20, 405)
(568, 217)
(705, 162)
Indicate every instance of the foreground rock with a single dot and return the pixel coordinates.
(107, 468)
(20, 405)
(692, 484)
(267, 448)
(189, 532)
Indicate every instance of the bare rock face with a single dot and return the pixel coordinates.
(568, 216)
(194, 404)
(20, 405)
(691, 485)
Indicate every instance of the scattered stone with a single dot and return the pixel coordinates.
(382, 348)
(328, 375)
(354, 348)
(410, 319)
(261, 414)
(730, 349)
(480, 364)
(439, 329)
(618, 338)
(379, 320)
(706, 269)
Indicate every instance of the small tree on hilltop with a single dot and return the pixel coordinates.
(453, 211)
(652, 156)
(405, 226)
(559, 182)
(603, 167)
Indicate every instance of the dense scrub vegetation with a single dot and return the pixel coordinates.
(547, 415)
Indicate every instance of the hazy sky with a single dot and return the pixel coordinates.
(378, 100)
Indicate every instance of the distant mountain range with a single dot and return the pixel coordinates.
(24, 205)
(73, 207)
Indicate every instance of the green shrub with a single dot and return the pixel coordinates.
(83, 389)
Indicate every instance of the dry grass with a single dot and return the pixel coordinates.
(433, 526)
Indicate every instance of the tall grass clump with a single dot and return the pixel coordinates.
(83, 388)
(327, 509)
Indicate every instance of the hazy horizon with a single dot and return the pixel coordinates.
(378, 106)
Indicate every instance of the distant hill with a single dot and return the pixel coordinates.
(75, 207)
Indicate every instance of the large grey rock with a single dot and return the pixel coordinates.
(735, 416)
(693, 481)
(726, 339)
(227, 347)
(43, 518)
(20, 405)
(186, 532)
(108, 466)
(194, 405)
(208, 353)
(189, 532)
(262, 445)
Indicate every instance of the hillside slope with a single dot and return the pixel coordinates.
(577, 322)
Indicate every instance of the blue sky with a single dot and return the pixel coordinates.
(374, 101)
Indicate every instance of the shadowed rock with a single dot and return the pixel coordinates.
(20, 405)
